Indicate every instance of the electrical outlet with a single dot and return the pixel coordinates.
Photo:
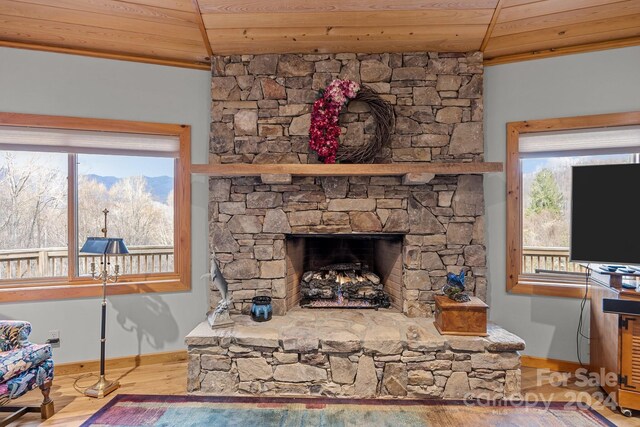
(54, 337)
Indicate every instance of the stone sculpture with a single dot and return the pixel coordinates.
(219, 317)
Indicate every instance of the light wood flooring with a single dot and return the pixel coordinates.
(72, 408)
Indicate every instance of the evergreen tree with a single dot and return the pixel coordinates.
(545, 195)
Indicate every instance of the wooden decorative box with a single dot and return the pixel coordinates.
(461, 318)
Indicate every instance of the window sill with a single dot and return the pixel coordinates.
(548, 289)
(85, 289)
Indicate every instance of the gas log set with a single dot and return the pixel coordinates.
(348, 285)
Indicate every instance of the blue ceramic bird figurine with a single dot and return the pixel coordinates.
(454, 288)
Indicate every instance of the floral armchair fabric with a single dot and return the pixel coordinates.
(23, 365)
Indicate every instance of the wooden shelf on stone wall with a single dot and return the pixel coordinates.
(412, 173)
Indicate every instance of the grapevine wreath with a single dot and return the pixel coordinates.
(325, 130)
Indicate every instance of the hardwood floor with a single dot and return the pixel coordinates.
(72, 408)
(533, 388)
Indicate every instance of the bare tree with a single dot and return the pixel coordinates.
(33, 209)
(93, 197)
(136, 216)
(33, 203)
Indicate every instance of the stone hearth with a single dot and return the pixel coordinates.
(345, 353)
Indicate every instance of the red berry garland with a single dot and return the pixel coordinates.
(324, 129)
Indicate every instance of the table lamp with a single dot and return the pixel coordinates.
(104, 246)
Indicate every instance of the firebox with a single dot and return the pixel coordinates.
(344, 270)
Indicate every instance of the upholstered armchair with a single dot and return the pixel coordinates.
(23, 367)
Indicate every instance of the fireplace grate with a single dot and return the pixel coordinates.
(330, 303)
(344, 285)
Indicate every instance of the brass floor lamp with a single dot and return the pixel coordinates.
(104, 246)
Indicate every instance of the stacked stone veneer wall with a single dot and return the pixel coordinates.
(260, 114)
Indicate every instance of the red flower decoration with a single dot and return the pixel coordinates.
(324, 129)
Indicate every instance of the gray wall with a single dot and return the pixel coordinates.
(574, 85)
(67, 85)
(44, 83)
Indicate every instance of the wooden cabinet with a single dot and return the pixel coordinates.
(615, 347)
(603, 354)
(630, 352)
(629, 379)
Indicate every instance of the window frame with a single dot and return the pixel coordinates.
(516, 281)
(34, 289)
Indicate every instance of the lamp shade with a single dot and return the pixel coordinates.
(116, 246)
(104, 245)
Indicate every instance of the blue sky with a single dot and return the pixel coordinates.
(118, 166)
(536, 164)
(532, 165)
(121, 166)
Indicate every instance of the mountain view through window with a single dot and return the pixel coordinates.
(137, 191)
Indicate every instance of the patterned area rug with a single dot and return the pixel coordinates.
(150, 410)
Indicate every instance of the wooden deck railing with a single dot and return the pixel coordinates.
(551, 259)
(52, 262)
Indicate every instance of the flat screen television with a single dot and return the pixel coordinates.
(605, 214)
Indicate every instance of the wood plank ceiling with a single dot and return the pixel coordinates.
(187, 32)
(157, 31)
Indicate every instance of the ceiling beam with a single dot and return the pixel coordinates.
(203, 29)
(492, 24)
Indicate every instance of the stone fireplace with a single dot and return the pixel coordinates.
(260, 114)
(441, 225)
(272, 233)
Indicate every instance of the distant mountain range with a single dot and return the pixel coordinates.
(159, 186)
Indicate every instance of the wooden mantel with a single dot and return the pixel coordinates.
(412, 173)
(379, 169)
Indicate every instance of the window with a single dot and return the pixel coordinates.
(33, 215)
(138, 192)
(540, 155)
(57, 175)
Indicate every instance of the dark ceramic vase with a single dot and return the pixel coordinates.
(261, 310)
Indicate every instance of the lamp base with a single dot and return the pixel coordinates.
(102, 388)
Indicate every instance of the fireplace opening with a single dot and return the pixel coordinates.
(344, 271)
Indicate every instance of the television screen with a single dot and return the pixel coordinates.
(605, 214)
